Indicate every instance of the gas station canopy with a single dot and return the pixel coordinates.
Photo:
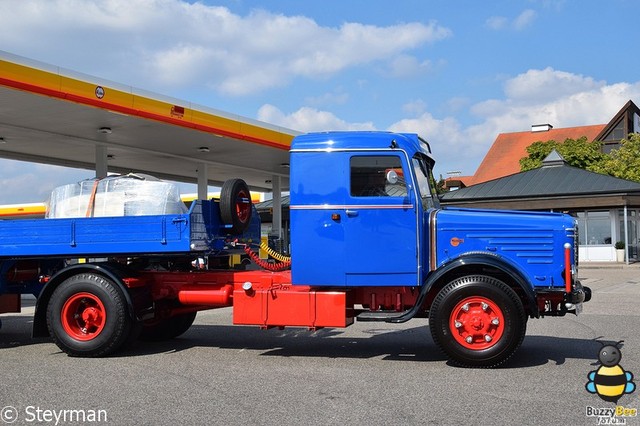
(54, 116)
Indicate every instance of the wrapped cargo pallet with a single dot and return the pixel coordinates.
(120, 195)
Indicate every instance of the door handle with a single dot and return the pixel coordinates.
(351, 213)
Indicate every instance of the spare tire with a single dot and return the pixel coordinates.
(235, 205)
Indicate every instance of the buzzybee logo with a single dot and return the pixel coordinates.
(610, 381)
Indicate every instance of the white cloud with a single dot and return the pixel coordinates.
(195, 45)
(308, 119)
(408, 66)
(415, 107)
(524, 20)
(540, 85)
(560, 98)
(570, 100)
(453, 146)
(581, 101)
(457, 104)
(497, 22)
(519, 23)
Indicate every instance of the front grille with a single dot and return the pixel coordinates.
(576, 240)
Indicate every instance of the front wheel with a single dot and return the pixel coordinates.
(478, 321)
(87, 316)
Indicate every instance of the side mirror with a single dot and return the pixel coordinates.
(392, 177)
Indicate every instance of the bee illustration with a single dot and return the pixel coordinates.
(610, 381)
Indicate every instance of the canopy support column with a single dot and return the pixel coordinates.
(102, 168)
(203, 182)
(277, 207)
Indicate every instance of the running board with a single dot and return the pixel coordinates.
(381, 316)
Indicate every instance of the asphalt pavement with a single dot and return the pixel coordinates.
(369, 373)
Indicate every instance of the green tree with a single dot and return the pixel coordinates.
(576, 152)
(537, 151)
(438, 185)
(624, 162)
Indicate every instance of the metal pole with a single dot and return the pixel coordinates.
(277, 207)
(101, 161)
(203, 182)
(626, 237)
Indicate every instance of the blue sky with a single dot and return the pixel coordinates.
(456, 72)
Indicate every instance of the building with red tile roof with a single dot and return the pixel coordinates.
(503, 158)
(607, 208)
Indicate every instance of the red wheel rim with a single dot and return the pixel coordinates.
(476, 323)
(243, 206)
(83, 316)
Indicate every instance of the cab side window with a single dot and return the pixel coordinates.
(369, 176)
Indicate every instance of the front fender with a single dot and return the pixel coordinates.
(470, 260)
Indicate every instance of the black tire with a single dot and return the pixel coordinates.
(168, 328)
(235, 205)
(87, 316)
(471, 337)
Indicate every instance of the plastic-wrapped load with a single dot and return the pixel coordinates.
(121, 195)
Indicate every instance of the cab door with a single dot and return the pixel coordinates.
(380, 222)
(318, 193)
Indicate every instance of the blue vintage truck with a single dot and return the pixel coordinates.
(369, 241)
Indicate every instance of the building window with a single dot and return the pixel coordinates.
(617, 133)
(612, 139)
(595, 228)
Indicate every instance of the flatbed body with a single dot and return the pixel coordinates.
(198, 230)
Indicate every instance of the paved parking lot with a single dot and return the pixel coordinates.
(369, 373)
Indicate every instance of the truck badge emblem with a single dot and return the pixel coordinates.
(455, 241)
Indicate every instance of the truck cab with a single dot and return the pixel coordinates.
(358, 209)
(365, 216)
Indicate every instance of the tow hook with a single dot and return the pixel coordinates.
(579, 294)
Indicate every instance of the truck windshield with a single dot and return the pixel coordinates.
(426, 183)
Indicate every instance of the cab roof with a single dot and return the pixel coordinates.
(359, 140)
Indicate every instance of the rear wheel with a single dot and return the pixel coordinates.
(167, 328)
(235, 205)
(477, 321)
(87, 316)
